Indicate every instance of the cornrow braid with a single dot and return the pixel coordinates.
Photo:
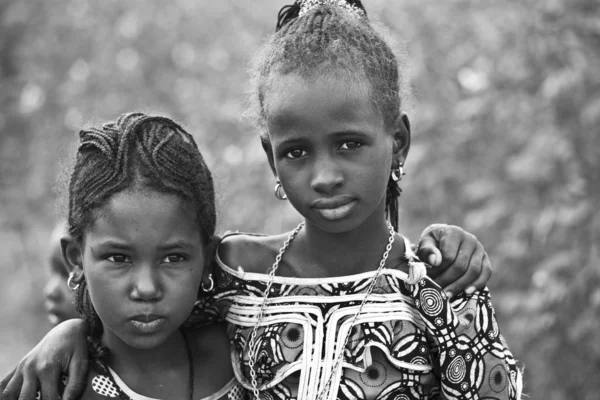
(321, 37)
(83, 304)
(392, 194)
(135, 151)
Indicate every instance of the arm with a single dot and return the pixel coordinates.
(471, 358)
(459, 261)
(63, 351)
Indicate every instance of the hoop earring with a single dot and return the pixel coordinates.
(397, 173)
(211, 284)
(70, 284)
(278, 191)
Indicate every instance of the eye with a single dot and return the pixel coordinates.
(296, 153)
(351, 145)
(173, 258)
(118, 258)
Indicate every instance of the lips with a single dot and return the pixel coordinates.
(334, 208)
(146, 318)
(331, 203)
(147, 323)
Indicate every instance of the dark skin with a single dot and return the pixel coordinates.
(210, 348)
(143, 255)
(235, 251)
(325, 141)
(459, 261)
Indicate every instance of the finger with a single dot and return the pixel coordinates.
(78, 368)
(456, 258)
(450, 247)
(434, 230)
(4, 382)
(428, 251)
(484, 276)
(28, 389)
(12, 386)
(470, 276)
(49, 380)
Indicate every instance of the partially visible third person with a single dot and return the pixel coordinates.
(58, 298)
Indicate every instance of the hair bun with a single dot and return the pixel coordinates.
(300, 7)
(353, 6)
(287, 14)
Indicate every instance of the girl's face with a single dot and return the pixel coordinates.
(59, 298)
(331, 152)
(143, 260)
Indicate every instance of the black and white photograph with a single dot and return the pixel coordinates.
(300, 200)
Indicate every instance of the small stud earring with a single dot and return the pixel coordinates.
(278, 191)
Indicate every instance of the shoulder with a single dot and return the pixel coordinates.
(254, 253)
(212, 338)
(211, 352)
(401, 254)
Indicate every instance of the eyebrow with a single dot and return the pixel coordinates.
(349, 132)
(170, 245)
(177, 244)
(291, 141)
(113, 244)
(296, 140)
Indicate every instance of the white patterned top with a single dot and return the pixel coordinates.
(409, 342)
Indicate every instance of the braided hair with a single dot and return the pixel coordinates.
(135, 151)
(329, 37)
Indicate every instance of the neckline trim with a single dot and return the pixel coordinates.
(128, 391)
(136, 396)
(409, 256)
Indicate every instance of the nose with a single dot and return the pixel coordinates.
(327, 175)
(146, 283)
(52, 290)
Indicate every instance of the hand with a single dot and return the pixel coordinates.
(63, 351)
(459, 261)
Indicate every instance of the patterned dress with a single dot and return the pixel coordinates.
(105, 385)
(409, 342)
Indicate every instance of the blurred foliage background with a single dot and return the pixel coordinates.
(505, 113)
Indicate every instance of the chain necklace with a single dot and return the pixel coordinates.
(252, 343)
(124, 396)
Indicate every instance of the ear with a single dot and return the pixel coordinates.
(210, 257)
(73, 257)
(266, 145)
(401, 138)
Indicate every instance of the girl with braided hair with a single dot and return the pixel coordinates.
(340, 308)
(347, 310)
(141, 219)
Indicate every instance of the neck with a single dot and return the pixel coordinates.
(126, 360)
(346, 253)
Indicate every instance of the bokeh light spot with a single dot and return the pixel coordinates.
(32, 98)
(79, 71)
(128, 59)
